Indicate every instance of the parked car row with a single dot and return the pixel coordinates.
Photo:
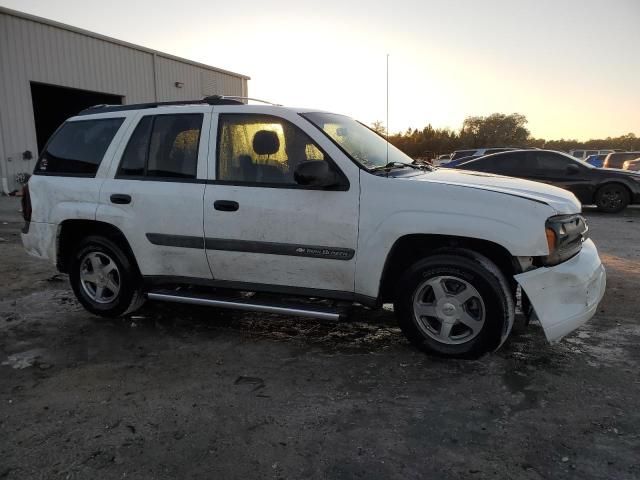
(618, 159)
(633, 165)
(609, 189)
(598, 158)
(460, 156)
(584, 154)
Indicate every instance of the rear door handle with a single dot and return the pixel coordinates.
(120, 198)
(226, 205)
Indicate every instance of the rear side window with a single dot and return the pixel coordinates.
(164, 147)
(77, 148)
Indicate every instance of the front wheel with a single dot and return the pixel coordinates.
(104, 279)
(612, 198)
(455, 304)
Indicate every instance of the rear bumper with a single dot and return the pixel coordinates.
(40, 240)
(566, 296)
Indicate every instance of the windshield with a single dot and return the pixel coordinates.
(462, 153)
(359, 142)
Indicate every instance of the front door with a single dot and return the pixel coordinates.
(563, 172)
(263, 230)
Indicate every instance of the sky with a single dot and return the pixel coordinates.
(571, 66)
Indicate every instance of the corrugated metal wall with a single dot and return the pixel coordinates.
(35, 50)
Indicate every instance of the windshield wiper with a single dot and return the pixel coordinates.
(394, 165)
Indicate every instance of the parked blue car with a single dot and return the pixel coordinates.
(596, 160)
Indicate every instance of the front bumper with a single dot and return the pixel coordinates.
(567, 295)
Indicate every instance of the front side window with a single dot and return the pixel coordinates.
(262, 149)
(164, 147)
(549, 162)
(555, 161)
(359, 142)
(78, 147)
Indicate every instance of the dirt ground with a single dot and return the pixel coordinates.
(184, 392)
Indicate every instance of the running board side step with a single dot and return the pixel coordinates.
(318, 312)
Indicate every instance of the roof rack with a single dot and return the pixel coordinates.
(233, 97)
(211, 100)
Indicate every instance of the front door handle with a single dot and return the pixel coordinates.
(120, 198)
(226, 205)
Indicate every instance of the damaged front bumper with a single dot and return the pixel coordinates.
(567, 295)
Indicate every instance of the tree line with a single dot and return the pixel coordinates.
(495, 130)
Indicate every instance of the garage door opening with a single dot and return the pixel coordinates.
(52, 105)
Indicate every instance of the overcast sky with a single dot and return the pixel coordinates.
(571, 66)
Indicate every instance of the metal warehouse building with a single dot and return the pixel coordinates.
(50, 71)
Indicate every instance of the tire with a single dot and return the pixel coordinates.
(99, 262)
(612, 198)
(451, 326)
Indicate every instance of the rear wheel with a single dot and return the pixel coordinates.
(455, 304)
(104, 279)
(612, 198)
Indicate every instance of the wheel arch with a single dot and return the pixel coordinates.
(71, 232)
(412, 247)
(614, 181)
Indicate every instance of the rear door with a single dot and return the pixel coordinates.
(263, 230)
(155, 189)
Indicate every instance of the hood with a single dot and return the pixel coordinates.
(560, 200)
(617, 172)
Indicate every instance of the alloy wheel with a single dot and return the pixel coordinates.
(99, 277)
(449, 309)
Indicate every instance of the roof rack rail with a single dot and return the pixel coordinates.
(210, 100)
(234, 97)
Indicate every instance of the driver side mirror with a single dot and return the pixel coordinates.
(316, 173)
(573, 169)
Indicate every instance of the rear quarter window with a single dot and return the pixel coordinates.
(77, 148)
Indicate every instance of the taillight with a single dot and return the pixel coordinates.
(26, 203)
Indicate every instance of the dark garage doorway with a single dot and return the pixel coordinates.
(52, 105)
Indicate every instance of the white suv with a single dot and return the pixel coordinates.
(194, 202)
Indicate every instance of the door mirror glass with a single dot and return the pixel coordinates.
(573, 169)
(316, 174)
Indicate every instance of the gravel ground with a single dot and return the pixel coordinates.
(184, 392)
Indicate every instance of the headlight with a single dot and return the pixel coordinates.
(565, 234)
